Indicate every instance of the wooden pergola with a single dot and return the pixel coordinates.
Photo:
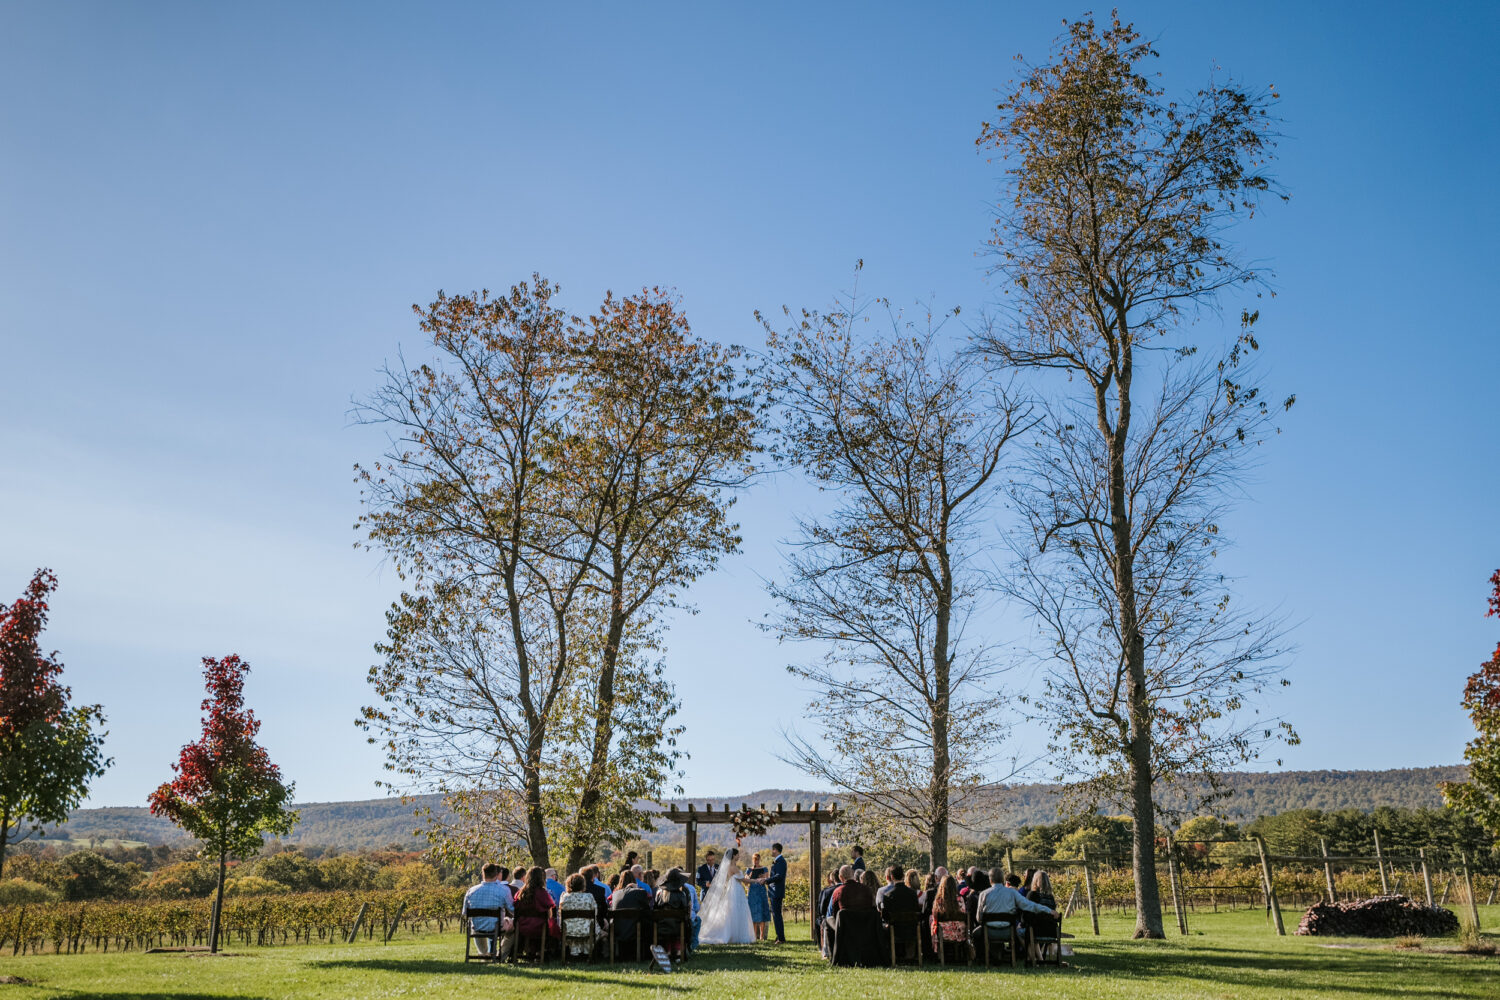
(813, 818)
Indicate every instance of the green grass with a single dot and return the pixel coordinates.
(1227, 955)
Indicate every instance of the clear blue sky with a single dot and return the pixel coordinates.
(214, 217)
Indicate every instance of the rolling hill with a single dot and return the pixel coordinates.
(374, 823)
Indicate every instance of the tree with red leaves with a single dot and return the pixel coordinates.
(48, 751)
(227, 793)
(1479, 797)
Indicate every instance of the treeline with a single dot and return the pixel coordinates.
(381, 823)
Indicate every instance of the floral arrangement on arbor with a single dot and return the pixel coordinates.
(750, 823)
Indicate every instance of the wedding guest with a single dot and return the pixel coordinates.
(760, 901)
(1043, 925)
(871, 881)
(999, 900)
(692, 894)
(614, 883)
(914, 881)
(979, 883)
(553, 885)
(851, 893)
(639, 874)
(1013, 880)
(580, 911)
(534, 909)
(928, 895)
(940, 873)
(631, 857)
(825, 896)
(673, 895)
(651, 880)
(625, 908)
(898, 897)
(598, 890)
(947, 924)
(490, 894)
(1026, 881)
(859, 858)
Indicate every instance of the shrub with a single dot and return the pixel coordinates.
(18, 891)
(253, 885)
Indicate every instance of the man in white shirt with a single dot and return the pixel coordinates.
(1001, 900)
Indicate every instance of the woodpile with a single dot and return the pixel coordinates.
(1383, 916)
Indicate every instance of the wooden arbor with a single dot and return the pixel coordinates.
(813, 819)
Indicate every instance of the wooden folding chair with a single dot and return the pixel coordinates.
(998, 920)
(493, 936)
(904, 918)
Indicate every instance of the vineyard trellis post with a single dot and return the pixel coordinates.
(1088, 887)
(1179, 898)
(1469, 889)
(1385, 887)
(358, 919)
(1273, 906)
(1327, 869)
(1426, 876)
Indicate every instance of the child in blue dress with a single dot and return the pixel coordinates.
(760, 903)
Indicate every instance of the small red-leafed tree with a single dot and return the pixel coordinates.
(227, 793)
(48, 751)
(1479, 797)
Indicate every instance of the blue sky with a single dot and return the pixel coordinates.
(214, 219)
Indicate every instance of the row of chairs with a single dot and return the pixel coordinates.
(1003, 938)
(677, 919)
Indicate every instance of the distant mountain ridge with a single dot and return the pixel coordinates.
(372, 823)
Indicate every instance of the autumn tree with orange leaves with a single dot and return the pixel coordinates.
(1479, 797)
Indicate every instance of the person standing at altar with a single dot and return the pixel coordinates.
(776, 890)
(707, 870)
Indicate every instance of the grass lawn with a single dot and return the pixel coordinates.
(1227, 955)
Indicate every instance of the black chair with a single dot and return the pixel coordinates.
(626, 929)
(904, 927)
(1050, 936)
(1001, 926)
(856, 938)
(673, 926)
(493, 936)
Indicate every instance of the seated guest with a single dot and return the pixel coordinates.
(821, 913)
(639, 874)
(852, 921)
(978, 883)
(1001, 900)
(1025, 888)
(598, 890)
(490, 894)
(963, 880)
(926, 893)
(895, 896)
(692, 895)
(673, 895)
(898, 897)
(534, 905)
(580, 911)
(1041, 924)
(625, 907)
(553, 885)
(614, 883)
(914, 880)
(651, 880)
(949, 924)
(1013, 880)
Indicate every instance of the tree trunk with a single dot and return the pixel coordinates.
(940, 790)
(213, 922)
(536, 825)
(585, 822)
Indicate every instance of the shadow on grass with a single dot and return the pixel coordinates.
(1355, 972)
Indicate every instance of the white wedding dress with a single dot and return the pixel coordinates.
(725, 913)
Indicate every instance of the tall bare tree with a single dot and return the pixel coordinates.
(554, 486)
(1113, 236)
(909, 443)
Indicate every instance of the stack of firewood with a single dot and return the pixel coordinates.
(1383, 916)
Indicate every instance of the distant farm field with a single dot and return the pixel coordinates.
(1228, 955)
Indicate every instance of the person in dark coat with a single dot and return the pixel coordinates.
(707, 870)
(626, 906)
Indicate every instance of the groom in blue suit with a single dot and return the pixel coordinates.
(776, 891)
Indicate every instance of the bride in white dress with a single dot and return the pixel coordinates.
(725, 913)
